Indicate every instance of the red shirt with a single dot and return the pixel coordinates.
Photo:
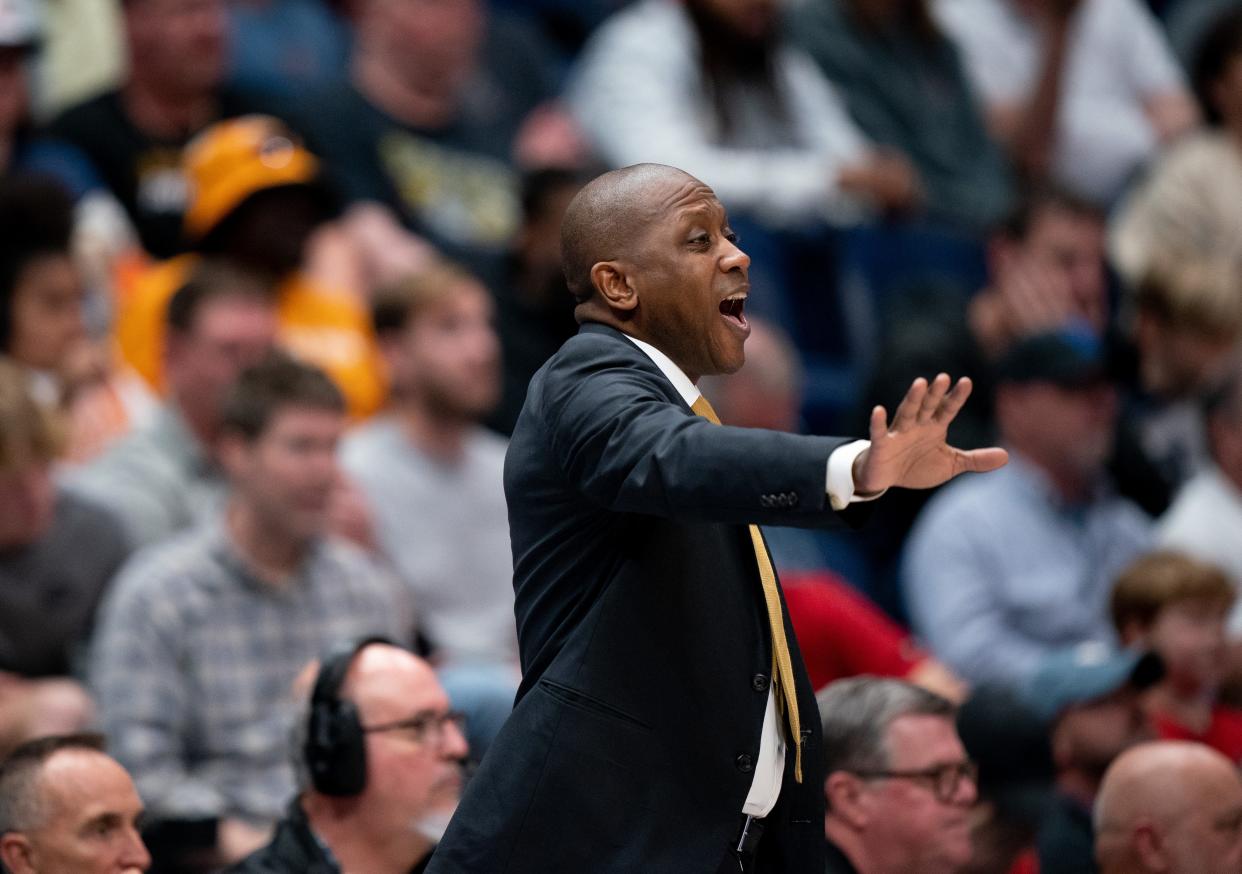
(842, 634)
(1224, 733)
(1027, 863)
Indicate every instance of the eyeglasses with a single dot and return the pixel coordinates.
(424, 727)
(944, 779)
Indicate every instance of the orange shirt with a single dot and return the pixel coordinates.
(319, 325)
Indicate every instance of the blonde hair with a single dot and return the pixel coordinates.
(1201, 295)
(29, 433)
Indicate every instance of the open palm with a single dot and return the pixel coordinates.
(912, 452)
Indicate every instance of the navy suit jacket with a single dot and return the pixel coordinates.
(644, 637)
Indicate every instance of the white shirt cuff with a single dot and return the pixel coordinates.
(840, 482)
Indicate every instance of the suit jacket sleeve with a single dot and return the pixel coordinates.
(624, 443)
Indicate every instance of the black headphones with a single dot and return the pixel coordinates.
(335, 750)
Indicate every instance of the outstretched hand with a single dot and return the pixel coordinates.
(912, 452)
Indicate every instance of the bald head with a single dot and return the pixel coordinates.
(608, 215)
(381, 677)
(1170, 806)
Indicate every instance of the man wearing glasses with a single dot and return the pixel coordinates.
(899, 787)
(379, 770)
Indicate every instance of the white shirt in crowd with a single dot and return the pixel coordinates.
(1117, 60)
(1205, 521)
(638, 93)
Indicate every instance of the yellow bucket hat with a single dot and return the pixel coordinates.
(234, 159)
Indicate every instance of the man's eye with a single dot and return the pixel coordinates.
(732, 237)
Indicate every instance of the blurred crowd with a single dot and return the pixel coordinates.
(274, 276)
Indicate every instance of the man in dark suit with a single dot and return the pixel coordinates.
(665, 723)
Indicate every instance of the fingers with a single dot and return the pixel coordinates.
(954, 401)
(934, 397)
(879, 423)
(908, 410)
(924, 404)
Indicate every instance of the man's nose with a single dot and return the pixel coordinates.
(735, 258)
(454, 744)
(968, 792)
(135, 858)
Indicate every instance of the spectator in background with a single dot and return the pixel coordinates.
(66, 806)
(22, 34)
(43, 328)
(906, 89)
(165, 477)
(31, 39)
(433, 478)
(1090, 699)
(57, 555)
(1084, 92)
(1190, 204)
(1170, 808)
(1013, 752)
(899, 787)
(35, 38)
(283, 47)
(427, 122)
(133, 135)
(1002, 570)
(377, 796)
(201, 638)
(1187, 322)
(259, 201)
(1204, 519)
(41, 293)
(712, 86)
(1045, 271)
(534, 309)
(1176, 607)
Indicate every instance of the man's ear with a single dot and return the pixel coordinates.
(846, 799)
(613, 285)
(16, 854)
(1149, 847)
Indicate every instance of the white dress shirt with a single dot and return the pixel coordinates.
(839, 484)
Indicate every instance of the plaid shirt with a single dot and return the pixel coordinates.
(195, 658)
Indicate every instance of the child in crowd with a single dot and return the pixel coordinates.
(1176, 605)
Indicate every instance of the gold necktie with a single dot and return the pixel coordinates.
(782, 672)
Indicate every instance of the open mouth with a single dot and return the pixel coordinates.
(733, 309)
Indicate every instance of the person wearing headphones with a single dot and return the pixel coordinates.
(378, 758)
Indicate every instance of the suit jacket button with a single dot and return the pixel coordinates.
(765, 501)
(793, 499)
(759, 683)
(744, 763)
(784, 500)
